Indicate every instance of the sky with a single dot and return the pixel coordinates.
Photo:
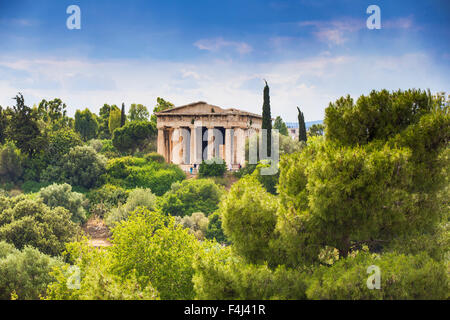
(310, 52)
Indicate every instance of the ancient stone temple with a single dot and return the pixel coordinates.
(189, 134)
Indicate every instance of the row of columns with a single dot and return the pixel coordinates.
(180, 147)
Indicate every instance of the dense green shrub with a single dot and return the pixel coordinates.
(11, 168)
(136, 198)
(30, 222)
(158, 250)
(154, 156)
(59, 143)
(96, 144)
(402, 277)
(24, 273)
(214, 229)
(33, 186)
(219, 275)
(212, 168)
(108, 149)
(133, 172)
(249, 219)
(189, 196)
(82, 166)
(109, 195)
(97, 281)
(196, 223)
(133, 135)
(61, 195)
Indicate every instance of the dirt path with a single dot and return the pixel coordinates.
(97, 232)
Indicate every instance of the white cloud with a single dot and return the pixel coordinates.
(216, 44)
(310, 83)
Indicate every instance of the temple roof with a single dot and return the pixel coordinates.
(204, 108)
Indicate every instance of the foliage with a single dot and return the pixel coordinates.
(212, 168)
(158, 250)
(189, 196)
(402, 277)
(133, 172)
(161, 105)
(61, 195)
(249, 219)
(24, 272)
(138, 112)
(196, 223)
(267, 120)
(23, 128)
(220, 275)
(115, 116)
(381, 115)
(123, 117)
(59, 143)
(54, 114)
(280, 126)
(86, 124)
(109, 195)
(103, 122)
(30, 222)
(97, 281)
(136, 198)
(82, 166)
(155, 157)
(301, 126)
(11, 167)
(96, 144)
(316, 130)
(133, 135)
(214, 229)
(33, 186)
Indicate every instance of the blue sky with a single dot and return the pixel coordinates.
(310, 52)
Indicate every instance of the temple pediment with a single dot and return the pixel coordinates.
(203, 108)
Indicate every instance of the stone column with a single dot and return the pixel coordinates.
(210, 143)
(240, 147)
(177, 147)
(228, 144)
(161, 147)
(193, 146)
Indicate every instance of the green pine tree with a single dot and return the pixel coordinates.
(267, 119)
(123, 117)
(301, 126)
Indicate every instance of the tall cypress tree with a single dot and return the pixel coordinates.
(123, 117)
(301, 126)
(267, 119)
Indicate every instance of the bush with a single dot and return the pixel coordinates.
(96, 144)
(133, 172)
(24, 273)
(212, 168)
(158, 250)
(30, 222)
(33, 186)
(11, 168)
(59, 143)
(219, 275)
(97, 279)
(249, 219)
(156, 157)
(61, 195)
(82, 166)
(196, 224)
(402, 277)
(189, 196)
(133, 135)
(214, 229)
(109, 195)
(136, 198)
